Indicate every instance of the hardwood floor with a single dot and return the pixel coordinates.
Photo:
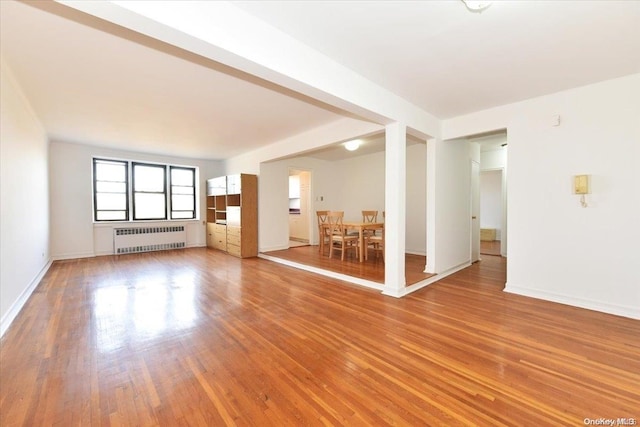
(196, 337)
(490, 247)
(371, 269)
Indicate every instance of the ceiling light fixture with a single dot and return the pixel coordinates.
(477, 5)
(352, 145)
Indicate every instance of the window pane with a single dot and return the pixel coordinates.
(182, 215)
(148, 178)
(111, 187)
(110, 171)
(181, 190)
(111, 201)
(149, 206)
(110, 190)
(181, 176)
(111, 215)
(182, 203)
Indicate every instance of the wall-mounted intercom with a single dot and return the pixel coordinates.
(582, 186)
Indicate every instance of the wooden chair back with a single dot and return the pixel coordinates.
(369, 216)
(323, 228)
(322, 217)
(336, 225)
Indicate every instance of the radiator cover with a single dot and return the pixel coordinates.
(146, 239)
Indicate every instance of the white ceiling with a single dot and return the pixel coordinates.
(93, 82)
(107, 86)
(368, 145)
(449, 61)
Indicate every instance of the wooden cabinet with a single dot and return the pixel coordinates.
(299, 221)
(296, 229)
(232, 216)
(217, 186)
(210, 238)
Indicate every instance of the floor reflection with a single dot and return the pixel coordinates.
(145, 309)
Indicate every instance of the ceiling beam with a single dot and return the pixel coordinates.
(226, 34)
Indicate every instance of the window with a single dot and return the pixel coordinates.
(149, 192)
(146, 193)
(183, 194)
(110, 183)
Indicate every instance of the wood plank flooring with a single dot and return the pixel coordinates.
(490, 247)
(371, 269)
(196, 337)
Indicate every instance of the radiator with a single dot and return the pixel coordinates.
(145, 239)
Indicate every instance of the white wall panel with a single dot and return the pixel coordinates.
(558, 250)
(24, 199)
(73, 233)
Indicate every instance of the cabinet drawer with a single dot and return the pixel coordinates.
(210, 235)
(233, 239)
(219, 228)
(233, 250)
(220, 241)
(233, 231)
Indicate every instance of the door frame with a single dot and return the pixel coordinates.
(475, 211)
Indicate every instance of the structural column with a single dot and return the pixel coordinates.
(432, 147)
(395, 208)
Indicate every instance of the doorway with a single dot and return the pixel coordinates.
(491, 211)
(299, 207)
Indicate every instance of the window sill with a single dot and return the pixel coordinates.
(142, 223)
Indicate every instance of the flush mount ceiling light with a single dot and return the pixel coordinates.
(477, 5)
(352, 145)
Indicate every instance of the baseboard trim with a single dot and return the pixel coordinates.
(17, 305)
(274, 248)
(618, 310)
(415, 252)
(299, 239)
(73, 256)
(327, 273)
(399, 293)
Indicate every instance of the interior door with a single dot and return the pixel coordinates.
(475, 211)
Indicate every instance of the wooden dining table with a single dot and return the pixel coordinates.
(361, 227)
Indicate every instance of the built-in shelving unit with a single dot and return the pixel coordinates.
(232, 214)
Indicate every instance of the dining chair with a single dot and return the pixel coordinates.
(323, 229)
(339, 239)
(367, 217)
(375, 242)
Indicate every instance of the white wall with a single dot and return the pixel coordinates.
(449, 198)
(491, 200)
(350, 185)
(363, 187)
(558, 250)
(73, 233)
(297, 145)
(416, 225)
(273, 195)
(24, 199)
(493, 159)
